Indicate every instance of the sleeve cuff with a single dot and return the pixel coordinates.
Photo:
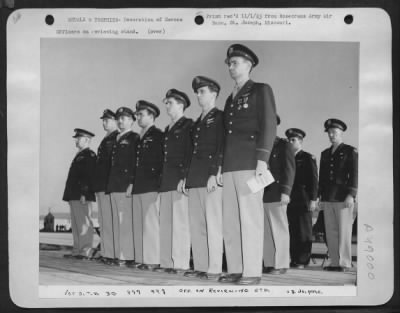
(285, 189)
(352, 192)
(263, 155)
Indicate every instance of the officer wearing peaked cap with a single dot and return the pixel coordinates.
(79, 194)
(338, 182)
(303, 200)
(250, 129)
(101, 174)
(120, 184)
(204, 181)
(145, 200)
(174, 214)
(276, 198)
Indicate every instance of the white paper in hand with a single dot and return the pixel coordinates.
(256, 184)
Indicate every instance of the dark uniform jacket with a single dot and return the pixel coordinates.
(103, 163)
(283, 168)
(305, 186)
(208, 145)
(250, 127)
(123, 162)
(149, 162)
(80, 177)
(338, 173)
(177, 149)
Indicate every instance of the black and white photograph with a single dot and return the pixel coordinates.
(198, 167)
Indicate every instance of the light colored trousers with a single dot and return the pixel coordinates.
(82, 228)
(243, 224)
(205, 212)
(146, 227)
(123, 226)
(174, 230)
(106, 225)
(338, 228)
(276, 236)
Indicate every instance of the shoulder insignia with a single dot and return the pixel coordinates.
(355, 150)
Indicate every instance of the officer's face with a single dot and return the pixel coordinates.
(335, 135)
(144, 118)
(125, 122)
(238, 67)
(205, 96)
(81, 142)
(296, 143)
(109, 124)
(173, 107)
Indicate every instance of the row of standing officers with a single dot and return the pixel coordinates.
(162, 194)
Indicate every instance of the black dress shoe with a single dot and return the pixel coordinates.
(333, 268)
(277, 271)
(177, 271)
(210, 276)
(297, 265)
(121, 262)
(193, 274)
(69, 256)
(133, 264)
(230, 278)
(249, 280)
(161, 270)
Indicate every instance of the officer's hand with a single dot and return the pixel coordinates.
(261, 169)
(129, 191)
(220, 181)
(312, 206)
(285, 199)
(182, 187)
(212, 183)
(349, 202)
(83, 199)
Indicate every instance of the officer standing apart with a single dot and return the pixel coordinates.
(303, 200)
(79, 194)
(250, 129)
(100, 179)
(120, 182)
(146, 210)
(276, 198)
(174, 211)
(338, 182)
(204, 182)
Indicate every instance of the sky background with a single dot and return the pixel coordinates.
(311, 81)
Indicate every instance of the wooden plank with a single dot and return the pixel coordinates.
(56, 270)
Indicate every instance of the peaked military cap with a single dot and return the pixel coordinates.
(278, 119)
(178, 95)
(335, 123)
(79, 132)
(142, 104)
(295, 132)
(108, 114)
(201, 81)
(125, 111)
(238, 50)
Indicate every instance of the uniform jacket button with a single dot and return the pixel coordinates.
(230, 131)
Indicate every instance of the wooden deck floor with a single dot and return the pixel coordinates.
(56, 270)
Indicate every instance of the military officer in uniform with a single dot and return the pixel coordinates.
(79, 194)
(204, 180)
(338, 182)
(149, 161)
(174, 211)
(120, 183)
(302, 202)
(100, 179)
(276, 198)
(250, 129)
